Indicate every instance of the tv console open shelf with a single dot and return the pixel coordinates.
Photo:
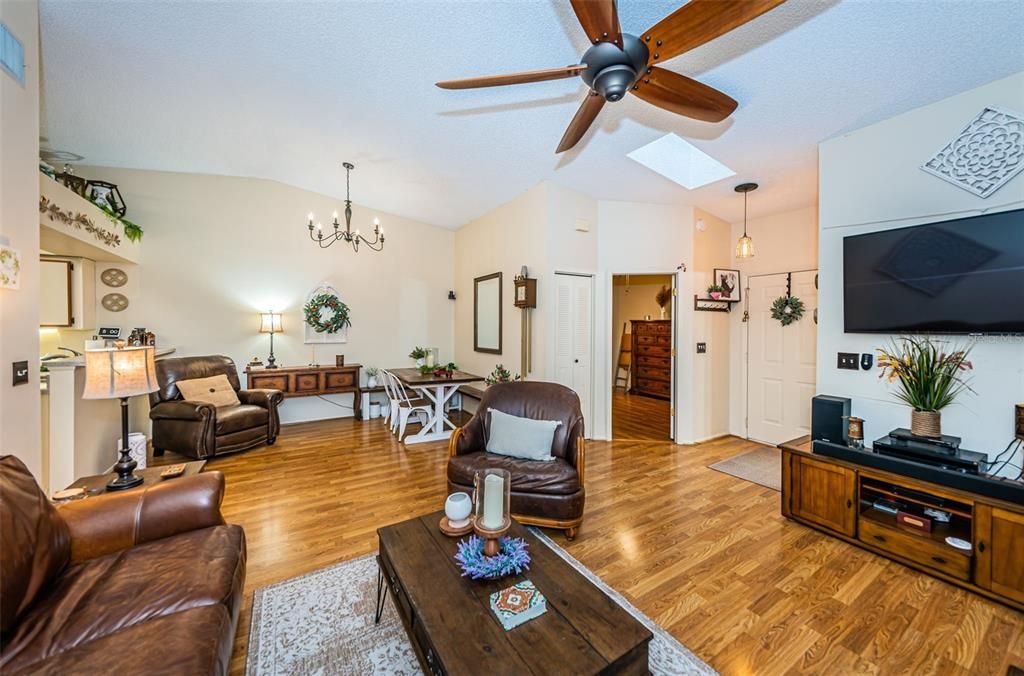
(855, 503)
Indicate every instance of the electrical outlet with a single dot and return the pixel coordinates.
(848, 360)
(702, 348)
(867, 360)
(20, 372)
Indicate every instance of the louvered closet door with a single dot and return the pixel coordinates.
(574, 337)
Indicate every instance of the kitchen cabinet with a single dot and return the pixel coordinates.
(67, 292)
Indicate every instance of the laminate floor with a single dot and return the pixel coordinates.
(705, 554)
(635, 417)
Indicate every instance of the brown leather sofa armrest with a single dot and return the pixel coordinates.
(111, 522)
(179, 409)
(263, 398)
(468, 438)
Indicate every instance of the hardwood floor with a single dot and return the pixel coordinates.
(639, 418)
(705, 554)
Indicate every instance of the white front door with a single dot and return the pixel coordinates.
(780, 360)
(574, 336)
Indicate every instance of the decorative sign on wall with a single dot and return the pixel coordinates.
(10, 268)
(114, 302)
(985, 155)
(114, 277)
(326, 317)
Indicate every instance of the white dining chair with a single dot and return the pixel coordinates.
(407, 406)
(389, 392)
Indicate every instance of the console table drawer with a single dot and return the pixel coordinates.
(336, 379)
(923, 550)
(265, 381)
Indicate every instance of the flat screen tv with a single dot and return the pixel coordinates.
(961, 276)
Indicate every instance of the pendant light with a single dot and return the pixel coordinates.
(745, 246)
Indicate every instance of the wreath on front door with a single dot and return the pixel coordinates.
(329, 322)
(787, 309)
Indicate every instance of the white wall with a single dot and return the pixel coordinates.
(711, 249)
(783, 242)
(218, 250)
(870, 180)
(20, 424)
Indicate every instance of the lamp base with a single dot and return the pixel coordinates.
(125, 464)
(121, 483)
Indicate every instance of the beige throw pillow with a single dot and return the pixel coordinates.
(215, 390)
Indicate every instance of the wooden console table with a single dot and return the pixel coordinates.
(836, 496)
(308, 381)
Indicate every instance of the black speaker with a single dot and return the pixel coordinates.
(827, 422)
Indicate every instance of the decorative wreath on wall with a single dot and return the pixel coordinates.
(787, 309)
(316, 319)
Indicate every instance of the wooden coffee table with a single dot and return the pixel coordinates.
(453, 631)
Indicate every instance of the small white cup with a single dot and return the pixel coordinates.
(457, 508)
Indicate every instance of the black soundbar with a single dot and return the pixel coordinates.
(1000, 489)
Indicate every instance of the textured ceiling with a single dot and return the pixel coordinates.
(288, 90)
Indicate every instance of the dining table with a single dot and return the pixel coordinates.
(438, 390)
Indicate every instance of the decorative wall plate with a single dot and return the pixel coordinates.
(985, 155)
(114, 277)
(114, 302)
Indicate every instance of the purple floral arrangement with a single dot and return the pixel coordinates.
(512, 558)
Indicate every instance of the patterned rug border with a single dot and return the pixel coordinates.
(252, 647)
(718, 467)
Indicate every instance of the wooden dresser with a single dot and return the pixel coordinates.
(307, 381)
(837, 497)
(651, 369)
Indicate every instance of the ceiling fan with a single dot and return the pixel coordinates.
(618, 62)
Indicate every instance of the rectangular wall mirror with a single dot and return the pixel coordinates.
(487, 313)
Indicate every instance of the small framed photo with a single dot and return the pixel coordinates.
(339, 360)
(729, 280)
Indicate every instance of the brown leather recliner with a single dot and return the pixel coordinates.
(200, 430)
(142, 581)
(543, 493)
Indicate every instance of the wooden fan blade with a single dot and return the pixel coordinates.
(684, 96)
(700, 21)
(513, 78)
(581, 121)
(600, 20)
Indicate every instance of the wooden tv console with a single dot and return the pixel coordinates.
(835, 496)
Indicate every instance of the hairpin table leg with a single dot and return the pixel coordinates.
(382, 595)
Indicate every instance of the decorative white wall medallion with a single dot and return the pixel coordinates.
(114, 277)
(114, 302)
(985, 155)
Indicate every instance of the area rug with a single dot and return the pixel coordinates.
(322, 623)
(761, 466)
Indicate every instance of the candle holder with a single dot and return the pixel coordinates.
(492, 516)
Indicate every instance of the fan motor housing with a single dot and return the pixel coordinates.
(612, 71)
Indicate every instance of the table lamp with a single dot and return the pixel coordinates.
(119, 374)
(270, 322)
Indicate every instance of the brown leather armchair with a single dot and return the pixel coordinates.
(142, 581)
(200, 430)
(543, 493)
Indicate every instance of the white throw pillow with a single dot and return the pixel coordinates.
(521, 437)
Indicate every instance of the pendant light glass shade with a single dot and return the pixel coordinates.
(745, 245)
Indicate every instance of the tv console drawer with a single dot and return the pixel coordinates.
(916, 548)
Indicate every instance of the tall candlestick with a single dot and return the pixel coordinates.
(494, 501)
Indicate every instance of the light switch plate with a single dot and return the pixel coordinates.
(848, 360)
(20, 369)
(702, 348)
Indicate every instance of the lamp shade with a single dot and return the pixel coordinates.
(270, 322)
(745, 247)
(112, 374)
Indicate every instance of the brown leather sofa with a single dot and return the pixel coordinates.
(200, 430)
(143, 581)
(543, 493)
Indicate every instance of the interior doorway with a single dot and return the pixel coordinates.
(643, 366)
(781, 360)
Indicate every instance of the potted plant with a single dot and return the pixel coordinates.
(500, 374)
(445, 371)
(371, 376)
(715, 291)
(419, 354)
(663, 298)
(929, 380)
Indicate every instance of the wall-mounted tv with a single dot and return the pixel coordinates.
(959, 276)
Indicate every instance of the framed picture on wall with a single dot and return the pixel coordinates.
(729, 280)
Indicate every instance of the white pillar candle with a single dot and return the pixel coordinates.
(494, 501)
(430, 357)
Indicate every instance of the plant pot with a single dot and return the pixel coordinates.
(371, 382)
(926, 423)
(420, 362)
(662, 312)
(715, 294)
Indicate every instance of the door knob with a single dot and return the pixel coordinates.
(576, 361)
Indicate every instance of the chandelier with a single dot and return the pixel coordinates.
(353, 237)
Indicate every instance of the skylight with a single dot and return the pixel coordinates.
(681, 162)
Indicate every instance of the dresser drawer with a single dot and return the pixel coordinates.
(659, 340)
(652, 373)
(652, 351)
(653, 386)
(657, 362)
(923, 550)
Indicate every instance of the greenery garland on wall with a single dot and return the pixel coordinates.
(787, 309)
(338, 320)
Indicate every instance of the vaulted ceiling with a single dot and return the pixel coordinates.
(289, 90)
